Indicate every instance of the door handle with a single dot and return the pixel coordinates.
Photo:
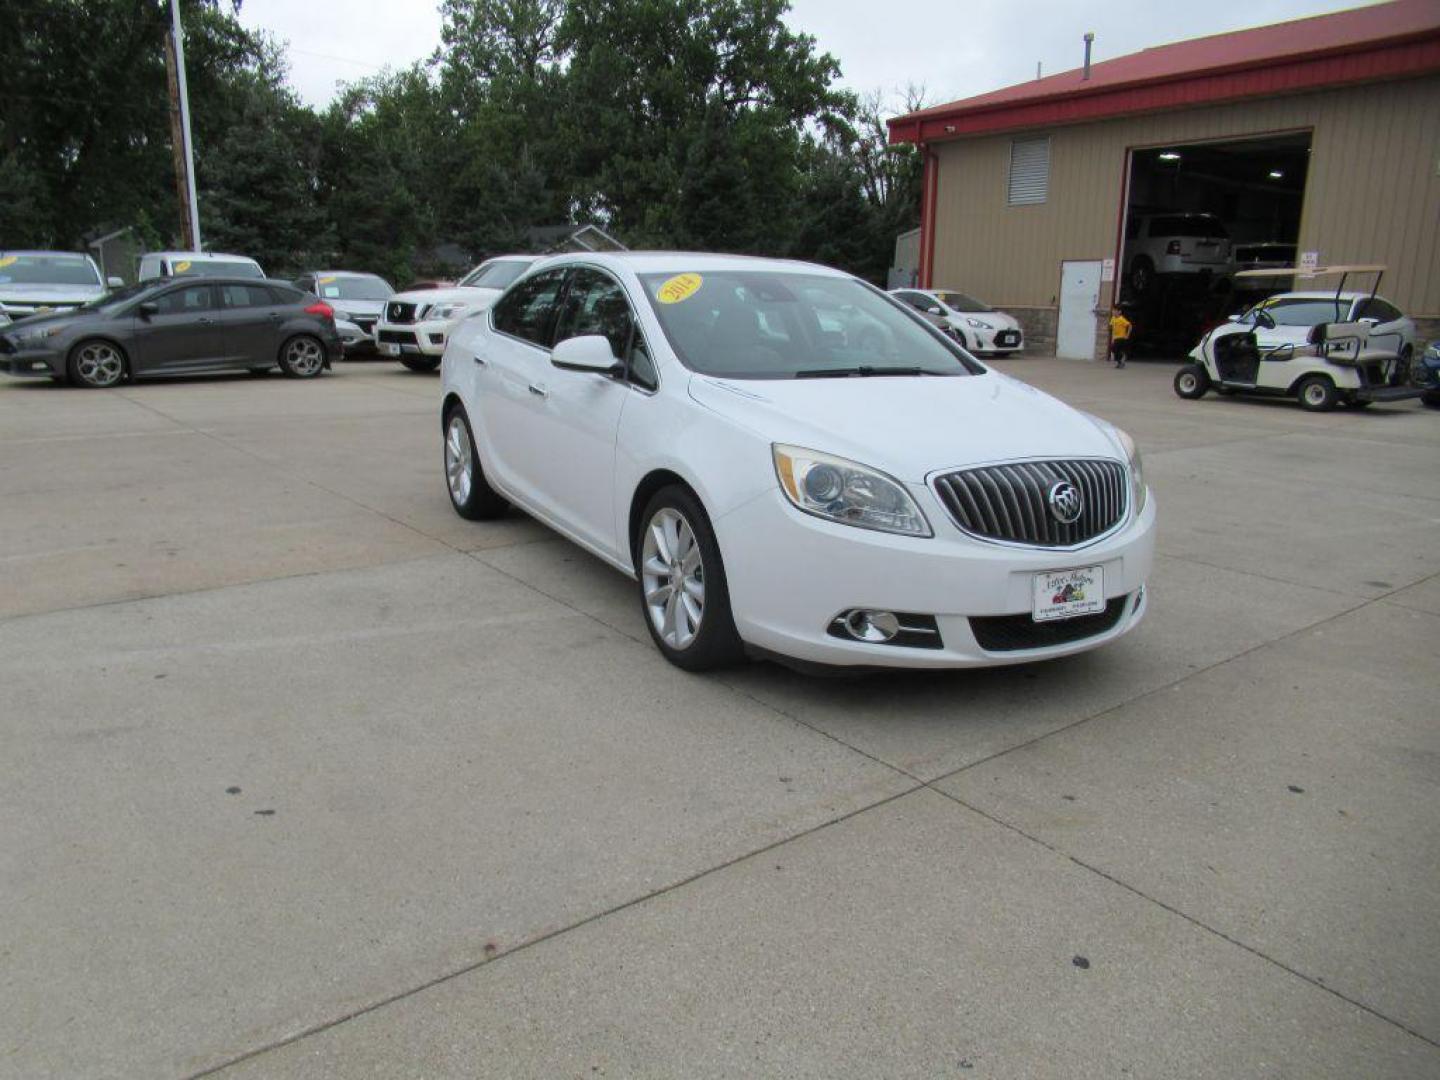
(274, 316)
(480, 362)
(205, 320)
(539, 391)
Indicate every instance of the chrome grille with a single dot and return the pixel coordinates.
(1011, 502)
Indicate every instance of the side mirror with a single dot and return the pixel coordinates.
(147, 308)
(115, 282)
(589, 352)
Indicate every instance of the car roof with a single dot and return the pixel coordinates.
(659, 262)
(200, 255)
(37, 251)
(1322, 294)
(338, 273)
(179, 280)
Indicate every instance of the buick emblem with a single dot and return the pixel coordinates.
(1065, 502)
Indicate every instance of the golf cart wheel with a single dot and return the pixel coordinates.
(421, 363)
(1317, 394)
(1191, 382)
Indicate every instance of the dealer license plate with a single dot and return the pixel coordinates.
(389, 348)
(1063, 594)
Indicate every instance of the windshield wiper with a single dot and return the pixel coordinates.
(862, 371)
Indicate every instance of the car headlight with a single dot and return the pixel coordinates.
(980, 324)
(38, 335)
(846, 491)
(1433, 351)
(1137, 471)
(445, 311)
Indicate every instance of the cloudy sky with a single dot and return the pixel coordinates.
(954, 48)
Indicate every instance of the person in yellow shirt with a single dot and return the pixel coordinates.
(1120, 329)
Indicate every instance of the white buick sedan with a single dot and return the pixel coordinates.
(779, 489)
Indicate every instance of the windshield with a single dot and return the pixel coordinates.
(118, 296)
(47, 270)
(495, 275)
(1304, 312)
(763, 325)
(956, 301)
(215, 268)
(353, 287)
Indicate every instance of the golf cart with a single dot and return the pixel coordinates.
(1328, 362)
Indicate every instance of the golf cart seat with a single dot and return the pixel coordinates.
(1340, 342)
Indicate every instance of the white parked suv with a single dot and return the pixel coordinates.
(1166, 244)
(415, 326)
(41, 281)
(778, 487)
(160, 264)
(975, 325)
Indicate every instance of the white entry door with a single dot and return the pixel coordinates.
(1079, 297)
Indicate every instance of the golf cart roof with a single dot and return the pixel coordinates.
(1319, 271)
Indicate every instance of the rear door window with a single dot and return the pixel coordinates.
(528, 310)
(186, 301)
(245, 296)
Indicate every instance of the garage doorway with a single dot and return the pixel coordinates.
(1079, 300)
(1197, 212)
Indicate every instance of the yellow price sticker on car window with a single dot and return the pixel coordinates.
(181, 267)
(327, 280)
(678, 288)
(9, 260)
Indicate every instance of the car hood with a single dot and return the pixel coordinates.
(910, 427)
(23, 324)
(357, 307)
(16, 293)
(477, 297)
(998, 319)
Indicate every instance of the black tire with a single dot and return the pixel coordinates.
(97, 364)
(1431, 398)
(474, 499)
(1191, 382)
(421, 363)
(1316, 393)
(1142, 275)
(302, 357)
(715, 642)
(1359, 403)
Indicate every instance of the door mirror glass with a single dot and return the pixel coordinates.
(147, 309)
(589, 352)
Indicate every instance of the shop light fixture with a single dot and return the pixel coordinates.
(1276, 174)
(1169, 155)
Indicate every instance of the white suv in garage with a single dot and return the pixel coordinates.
(1163, 244)
(415, 326)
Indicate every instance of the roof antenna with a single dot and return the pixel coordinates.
(1037, 69)
(1089, 40)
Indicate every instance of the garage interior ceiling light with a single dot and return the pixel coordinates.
(1276, 174)
(1169, 155)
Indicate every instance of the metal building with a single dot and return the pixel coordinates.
(1311, 140)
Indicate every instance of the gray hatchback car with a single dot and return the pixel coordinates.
(177, 327)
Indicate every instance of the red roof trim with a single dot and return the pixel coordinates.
(1409, 55)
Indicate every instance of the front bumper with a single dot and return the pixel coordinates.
(31, 362)
(999, 342)
(790, 575)
(413, 339)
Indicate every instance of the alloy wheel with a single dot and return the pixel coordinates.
(673, 577)
(304, 356)
(459, 462)
(99, 364)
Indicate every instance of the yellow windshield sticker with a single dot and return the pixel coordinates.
(327, 280)
(678, 288)
(9, 260)
(181, 267)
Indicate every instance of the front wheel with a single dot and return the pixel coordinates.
(96, 364)
(683, 592)
(1317, 394)
(421, 363)
(302, 357)
(1191, 382)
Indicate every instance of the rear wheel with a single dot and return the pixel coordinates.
(1142, 275)
(1191, 382)
(302, 357)
(96, 364)
(683, 592)
(470, 494)
(1317, 394)
(421, 363)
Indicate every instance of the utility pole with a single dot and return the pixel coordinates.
(181, 144)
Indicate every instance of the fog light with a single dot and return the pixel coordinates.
(874, 626)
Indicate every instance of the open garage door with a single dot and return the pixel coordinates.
(1196, 213)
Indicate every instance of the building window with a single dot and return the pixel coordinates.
(1029, 170)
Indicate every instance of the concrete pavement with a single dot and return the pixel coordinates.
(306, 776)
